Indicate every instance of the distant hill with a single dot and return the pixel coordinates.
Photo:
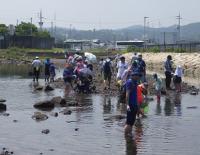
(190, 32)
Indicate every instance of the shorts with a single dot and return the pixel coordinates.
(68, 79)
(131, 116)
(107, 76)
(177, 80)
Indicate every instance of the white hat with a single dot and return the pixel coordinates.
(37, 57)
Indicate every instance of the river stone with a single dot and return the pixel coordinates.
(2, 107)
(38, 116)
(45, 131)
(39, 88)
(44, 105)
(193, 93)
(2, 100)
(66, 112)
(58, 101)
(48, 88)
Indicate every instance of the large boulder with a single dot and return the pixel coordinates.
(58, 101)
(3, 107)
(44, 105)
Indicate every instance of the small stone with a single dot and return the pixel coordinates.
(76, 129)
(39, 88)
(15, 121)
(56, 114)
(46, 131)
(69, 112)
(6, 114)
(193, 93)
(48, 88)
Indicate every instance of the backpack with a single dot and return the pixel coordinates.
(106, 67)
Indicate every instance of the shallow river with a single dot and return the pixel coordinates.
(170, 128)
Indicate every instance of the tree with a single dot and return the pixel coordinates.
(43, 34)
(25, 29)
(3, 29)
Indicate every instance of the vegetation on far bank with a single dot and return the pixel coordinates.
(23, 53)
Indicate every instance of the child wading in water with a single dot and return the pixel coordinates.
(178, 78)
(158, 86)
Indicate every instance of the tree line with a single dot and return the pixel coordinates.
(25, 29)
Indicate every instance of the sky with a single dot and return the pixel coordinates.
(100, 14)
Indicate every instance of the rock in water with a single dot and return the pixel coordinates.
(38, 116)
(58, 101)
(44, 105)
(48, 88)
(2, 100)
(46, 131)
(193, 93)
(39, 88)
(3, 107)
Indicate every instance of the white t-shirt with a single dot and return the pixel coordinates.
(121, 68)
(36, 63)
(179, 71)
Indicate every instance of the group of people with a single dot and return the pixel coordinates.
(130, 77)
(79, 71)
(49, 69)
(133, 85)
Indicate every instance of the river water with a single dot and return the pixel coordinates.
(94, 128)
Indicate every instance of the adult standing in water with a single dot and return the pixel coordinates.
(168, 71)
(131, 101)
(122, 65)
(47, 69)
(36, 64)
(107, 71)
(141, 65)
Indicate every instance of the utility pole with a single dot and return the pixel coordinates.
(179, 26)
(31, 26)
(55, 28)
(17, 22)
(144, 37)
(164, 40)
(70, 31)
(40, 22)
(52, 29)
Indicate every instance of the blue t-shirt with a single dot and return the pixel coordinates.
(141, 65)
(132, 87)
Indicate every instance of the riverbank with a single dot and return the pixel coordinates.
(189, 61)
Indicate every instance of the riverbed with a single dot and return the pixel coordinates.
(95, 127)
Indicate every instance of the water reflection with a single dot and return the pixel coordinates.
(131, 147)
(158, 109)
(177, 102)
(173, 101)
(21, 70)
(107, 105)
(133, 143)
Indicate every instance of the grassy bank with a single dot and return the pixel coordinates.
(24, 53)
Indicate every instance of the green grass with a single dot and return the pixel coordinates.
(21, 53)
